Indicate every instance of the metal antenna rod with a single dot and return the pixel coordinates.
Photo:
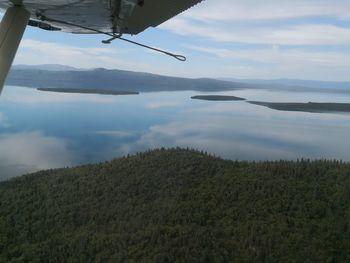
(113, 37)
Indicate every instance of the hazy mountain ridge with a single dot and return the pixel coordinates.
(178, 205)
(296, 83)
(115, 79)
(49, 67)
(60, 76)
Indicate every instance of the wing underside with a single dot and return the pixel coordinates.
(118, 16)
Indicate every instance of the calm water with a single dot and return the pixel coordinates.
(41, 130)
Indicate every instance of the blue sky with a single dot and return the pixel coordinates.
(305, 39)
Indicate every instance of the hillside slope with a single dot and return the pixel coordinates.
(178, 205)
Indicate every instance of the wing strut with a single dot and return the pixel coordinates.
(111, 35)
(12, 28)
(119, 36)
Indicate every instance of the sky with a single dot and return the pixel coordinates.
(270, 39)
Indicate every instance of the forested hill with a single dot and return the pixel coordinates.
(178, 205)
(114, 80)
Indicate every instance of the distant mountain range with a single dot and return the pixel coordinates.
(49, 67)
(66, 77)
(295, 83)
(45, 77)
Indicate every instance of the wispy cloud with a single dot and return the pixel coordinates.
(61, 54)
(313, 33)
(277, 55)
(276, 60)
(43, 52)
(251, 10)
(295, 35)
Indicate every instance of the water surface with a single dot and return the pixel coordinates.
(43, 130)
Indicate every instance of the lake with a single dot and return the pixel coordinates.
(43, 130)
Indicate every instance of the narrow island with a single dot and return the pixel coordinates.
(89, 91)
(313, 107)
(216, 98)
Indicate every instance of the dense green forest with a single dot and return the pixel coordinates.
(178, 206)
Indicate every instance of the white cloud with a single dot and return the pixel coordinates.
(32, 151)
(305, 34)
(291, 62)
(277, 55)
(60, 53)
(271, 22)
(244, 10)
(36, 52)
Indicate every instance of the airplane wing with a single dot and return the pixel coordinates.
(112, 16)
(155, 12)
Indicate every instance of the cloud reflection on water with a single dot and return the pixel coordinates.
(33, 96)
(26, 152)
(90, 128)
(242, 139)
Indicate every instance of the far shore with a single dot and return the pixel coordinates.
(217, 98)
(89, 91)
(313, 107)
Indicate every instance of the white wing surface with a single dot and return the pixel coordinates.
(118, 16)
